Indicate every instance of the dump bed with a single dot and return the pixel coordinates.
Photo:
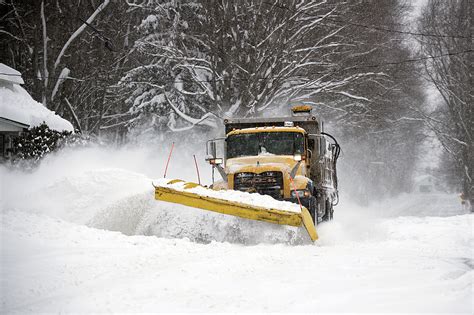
(308, 122)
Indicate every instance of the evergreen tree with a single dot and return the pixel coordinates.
(37, 142)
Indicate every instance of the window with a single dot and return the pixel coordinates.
(265, 143)
(2, 145)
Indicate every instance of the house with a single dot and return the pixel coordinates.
(9, 129)
(19, 111)
(426, 184)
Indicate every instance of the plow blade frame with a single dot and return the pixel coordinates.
(236, 208)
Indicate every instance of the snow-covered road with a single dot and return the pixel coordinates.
(61, 252)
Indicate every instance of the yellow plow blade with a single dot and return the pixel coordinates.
(234, 208)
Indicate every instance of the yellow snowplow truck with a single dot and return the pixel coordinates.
(289, 158)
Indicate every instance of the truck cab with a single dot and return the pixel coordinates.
(287, 158)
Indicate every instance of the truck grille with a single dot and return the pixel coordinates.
(266, 183)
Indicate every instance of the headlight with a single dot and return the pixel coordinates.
(301, 193)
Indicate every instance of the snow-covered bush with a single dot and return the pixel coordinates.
(38, 141)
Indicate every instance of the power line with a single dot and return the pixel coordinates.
(378, 65)
(411, 60)
(372, 27)
(387, 30)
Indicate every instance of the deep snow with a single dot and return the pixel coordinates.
(60, 251)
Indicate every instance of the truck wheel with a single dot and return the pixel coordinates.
(329, 210)
(328, 214)
(313, 209)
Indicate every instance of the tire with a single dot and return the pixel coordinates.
(329, 213)
(313, 204)
(330, 210)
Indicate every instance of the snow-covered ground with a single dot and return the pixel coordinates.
(82, 233)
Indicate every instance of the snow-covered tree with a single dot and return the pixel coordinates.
(169, 86)
(208, 60)
(47, 44)
(451, 74)
(71, 55)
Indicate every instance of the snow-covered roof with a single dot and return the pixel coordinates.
(10, 75)
(17, 105)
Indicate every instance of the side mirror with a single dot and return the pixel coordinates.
(216, 161)
(211, 156)
(213, 149)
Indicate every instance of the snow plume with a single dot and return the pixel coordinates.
(372, 168)
(111, 188)
(152, 130)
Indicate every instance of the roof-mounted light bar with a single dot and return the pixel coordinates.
(301, 110)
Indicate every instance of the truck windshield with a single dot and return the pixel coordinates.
(265, 143)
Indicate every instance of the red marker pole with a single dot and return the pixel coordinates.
(296, 193)
(168, 162)
(197, 169)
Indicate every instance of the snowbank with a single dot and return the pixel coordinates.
(53, 266)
